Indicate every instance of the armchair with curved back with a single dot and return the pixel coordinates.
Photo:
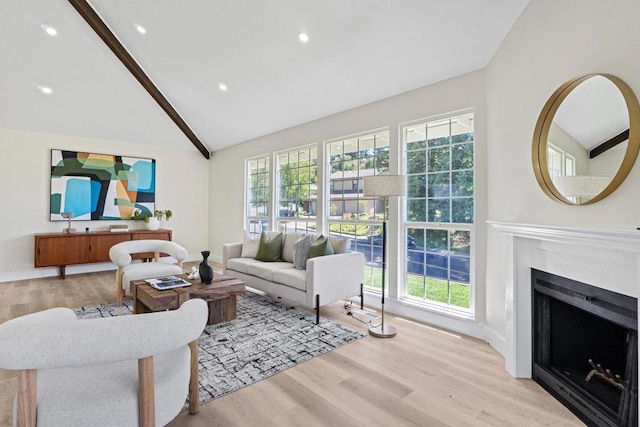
(120, 254)
(124, 370)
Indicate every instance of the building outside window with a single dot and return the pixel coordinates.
(439, 164)
(350, 213)
(438, 220)
(257, 203)
(297, 190)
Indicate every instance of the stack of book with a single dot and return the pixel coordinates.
(119, 228)
(168, 282)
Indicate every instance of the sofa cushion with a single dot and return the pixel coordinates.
(321, 246)
(291, 277)
(250, 245)
(265, 270)
(287, 245)
(340, 245)
(240, 264)
(148, 270)
(301, 250)
(270, 248)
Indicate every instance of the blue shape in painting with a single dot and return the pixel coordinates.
(145, 172)
(95, 195)
(81, 196)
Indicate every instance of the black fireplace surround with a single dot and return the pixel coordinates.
(585, 349)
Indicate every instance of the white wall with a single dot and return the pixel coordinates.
(227, 167)
(552, 42)
(607, 163)
(565, 142)
(182, 182)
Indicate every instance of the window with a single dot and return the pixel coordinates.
(297, 190)
(257, 203)
(437, 226)
(439, 164)
(569, 165)
(559, 162)
(554, 161)
(350, 213)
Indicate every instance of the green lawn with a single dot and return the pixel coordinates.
(436, 290)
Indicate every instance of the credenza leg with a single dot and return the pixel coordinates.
(63, 271)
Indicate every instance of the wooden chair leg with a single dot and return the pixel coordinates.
(27, 398)
(120, 294)
(194, 383)
(146, 393)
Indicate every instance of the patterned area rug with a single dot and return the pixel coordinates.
(265, 338)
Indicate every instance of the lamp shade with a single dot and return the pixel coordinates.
(385, 185)
(581, 185)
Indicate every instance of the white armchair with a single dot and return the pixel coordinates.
(125, 371)
(120, 254)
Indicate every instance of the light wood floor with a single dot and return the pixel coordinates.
(422, 377)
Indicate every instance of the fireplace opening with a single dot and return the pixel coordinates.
(585, 350)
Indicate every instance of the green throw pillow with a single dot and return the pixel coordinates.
(321, 247)
(270, 248)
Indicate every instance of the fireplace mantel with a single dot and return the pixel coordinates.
(624, 239)
(602, 257)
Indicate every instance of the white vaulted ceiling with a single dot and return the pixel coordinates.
(359, 51)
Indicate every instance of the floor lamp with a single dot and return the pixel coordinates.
(384, 186)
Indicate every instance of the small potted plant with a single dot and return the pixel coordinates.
(165, 214)
(152, 222)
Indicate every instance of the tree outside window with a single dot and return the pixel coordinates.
(298, 190)
(258, 195)
(439, 163)
(350, 213)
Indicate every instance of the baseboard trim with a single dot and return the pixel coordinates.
(450, 322)
(39, 273)
(495, 340)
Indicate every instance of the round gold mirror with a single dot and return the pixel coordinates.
(586, 139)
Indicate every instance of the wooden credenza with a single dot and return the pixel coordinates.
(62, 249)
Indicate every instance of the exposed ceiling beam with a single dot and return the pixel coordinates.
(86, 11)
(610, 143)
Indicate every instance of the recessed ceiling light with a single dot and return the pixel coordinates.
(45, 89)
(141, 29)
(49, 30)
(303, 37)
(222, 87)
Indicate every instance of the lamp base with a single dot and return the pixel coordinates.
(382, 332)
(69, 230)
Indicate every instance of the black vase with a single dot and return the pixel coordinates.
(205, 270)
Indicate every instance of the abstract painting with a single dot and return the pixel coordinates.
(100, 186)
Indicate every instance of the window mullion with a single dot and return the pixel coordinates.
(438, 268)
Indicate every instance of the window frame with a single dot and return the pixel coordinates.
(345, 186)
(405, 224)
(277, 189)
(250, 221)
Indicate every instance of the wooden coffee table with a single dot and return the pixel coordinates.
(220, 296)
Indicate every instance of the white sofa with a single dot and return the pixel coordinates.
(327, 278)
